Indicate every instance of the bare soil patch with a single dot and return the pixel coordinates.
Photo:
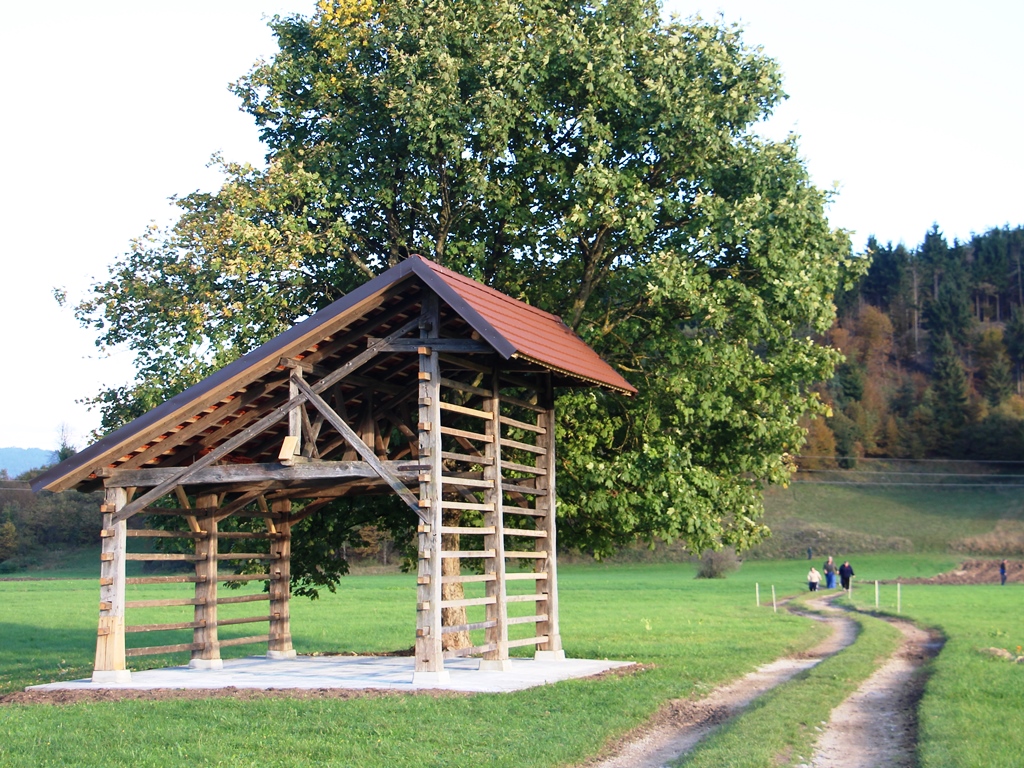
(975, 572)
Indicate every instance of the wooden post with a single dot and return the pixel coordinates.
(757, 594)
(497, 659)
(110, 666)
(899, 599)
(429, 668)
(208, 655)
(280, 644)
(552, 648)
(876, 594)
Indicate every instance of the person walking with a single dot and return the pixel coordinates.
(813, 579)
(845, 574)
(1002, 572)
(830, 573)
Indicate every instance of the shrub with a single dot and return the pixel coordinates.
(717, 564)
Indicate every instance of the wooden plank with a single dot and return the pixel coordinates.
(251, 640)
(467, 578)
(461, 346)
(162, 580)
(478, 531)
(361, 448)
(466, 602)
(522, 468)
(461, 362)
(246, 577)
(246, 620)
(520, 554)
(532, 532)
(510, 422)
(468, 435)
(162, 627)
(243, 599)
(466, 505)
(522, 488)
(530, 576)
(528, 619)
(156, 533)
(464, 554)
(467, 458)
(153, 650)
(467, 627)
(246, 534)
(509, 443)
(231, 474)
(463, 410)
(246, 556)
(524, 511)
(166, 603)
(156, 556)
(467, 482)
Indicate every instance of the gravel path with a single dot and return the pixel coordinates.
(680, 725)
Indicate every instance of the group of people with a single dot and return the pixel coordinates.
(844, 571)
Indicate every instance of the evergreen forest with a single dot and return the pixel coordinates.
(933, 338)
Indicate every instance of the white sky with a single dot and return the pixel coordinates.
(913, 109)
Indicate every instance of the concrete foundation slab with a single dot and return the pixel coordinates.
(353, 672)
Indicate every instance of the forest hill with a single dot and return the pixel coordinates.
(934, 344)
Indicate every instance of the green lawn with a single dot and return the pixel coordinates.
(692, 634)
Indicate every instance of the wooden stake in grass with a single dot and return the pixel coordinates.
(757, 594)
(775, 608)
(876, 594)
(898, 598)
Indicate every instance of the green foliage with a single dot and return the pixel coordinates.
(593, 159)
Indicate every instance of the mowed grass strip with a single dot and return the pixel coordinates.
(691, 634)
(972, 712)
(781, 727)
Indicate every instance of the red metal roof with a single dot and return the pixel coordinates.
(538, 336)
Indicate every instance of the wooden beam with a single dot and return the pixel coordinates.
(259, 473)
(364, 451)
(463, 346)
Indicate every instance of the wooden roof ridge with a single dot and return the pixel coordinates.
(511, 327)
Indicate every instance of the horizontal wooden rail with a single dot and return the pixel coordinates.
(248, 535)
(162, 627)
(476, 436)
(469, 389)
(468, 553)
(456, 653)
(160, 557)
(526, 619)
(467, 458)
(468, 627)
(152, 650)
(508, 443)
(156, 533)
(167, 603)
(522, 642)
(466, 482)
(511, 509)
(523, 555)
(245, 640)
(482, 531)
(488, 507)
(531, 576)
(164, 579)
(246, 620)
(246, 598)
(466, 602)
(522, 404)
(508, 421)
(247, 556)
(464, 578)
(524, 489)
(530, 532)
(451, 407)
(247, 577)
(514, 467)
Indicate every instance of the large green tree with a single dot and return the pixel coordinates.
(592, 158)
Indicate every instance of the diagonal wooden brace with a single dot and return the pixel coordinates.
(364, 451)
